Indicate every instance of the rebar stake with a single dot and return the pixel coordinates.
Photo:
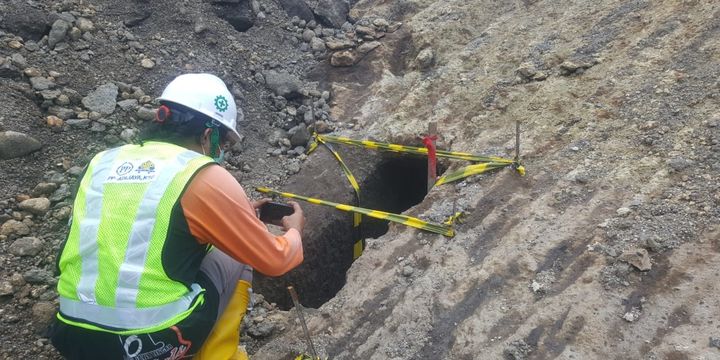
(298, 307)
(517, 140)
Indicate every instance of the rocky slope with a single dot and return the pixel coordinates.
(607, 248)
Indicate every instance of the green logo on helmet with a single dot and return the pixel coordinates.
(221, 103)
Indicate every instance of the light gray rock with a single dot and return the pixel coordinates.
(103, 99)
(61, 193)
(37, 206)
(26, 246)
(44, 188)
(146, 114)
(276, 136)
(78, 123)
(679, 163)
(128, 135)
(425, 58)
(308, 35)
(61, 112)
(38, 276)
(85, 24)
(368, 47)
(15, 144)
(282, 83)
(128, 105)
(6, 288)
(50, 94)
(57, 32)
(317, 44)
(40, 83)
(261, 330)
(339, 44)
(18, 60)
(97, 127)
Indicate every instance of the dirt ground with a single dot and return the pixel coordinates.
(608, 248)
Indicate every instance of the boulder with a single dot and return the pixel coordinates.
(15, 144)
(282, 83)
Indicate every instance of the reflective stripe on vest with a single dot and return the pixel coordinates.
(114, 249)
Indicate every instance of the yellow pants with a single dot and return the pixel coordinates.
(222, 343)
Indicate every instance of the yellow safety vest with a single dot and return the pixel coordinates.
(111, 269)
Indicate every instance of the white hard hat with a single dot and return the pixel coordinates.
(207, 94)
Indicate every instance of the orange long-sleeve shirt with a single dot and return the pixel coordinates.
(219, 212)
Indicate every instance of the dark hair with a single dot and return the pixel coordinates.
(182, 126)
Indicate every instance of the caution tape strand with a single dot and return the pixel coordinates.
(442, 229)
(411, 149)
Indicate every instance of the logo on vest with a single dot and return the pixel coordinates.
(133, 171)
(124, 168)
(146, 167)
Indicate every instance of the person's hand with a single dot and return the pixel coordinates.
(259, 203)
(296, 220)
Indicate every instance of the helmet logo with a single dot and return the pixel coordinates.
(221, 103)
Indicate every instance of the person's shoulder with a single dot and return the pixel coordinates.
(216, 175)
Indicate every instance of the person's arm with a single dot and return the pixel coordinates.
(218, 212)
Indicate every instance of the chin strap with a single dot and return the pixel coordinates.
(214, 139)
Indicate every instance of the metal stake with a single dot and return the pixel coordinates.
(517, 140)
(298, 307)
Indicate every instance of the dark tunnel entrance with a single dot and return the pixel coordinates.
(388, 182)
(397, 184)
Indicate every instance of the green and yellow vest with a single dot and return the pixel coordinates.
(112, 274)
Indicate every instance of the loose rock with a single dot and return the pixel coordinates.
(638, 258)
(425, 58)
(43, 314)
(103, 99)
(282, 83)
(85, 25)
(26, 246)
(38, 276)
(15, 144)
(147, 63)
(343, 58)
(38, 206)
(14, 227)
(6, 288)
(57, 32)
(40, 83)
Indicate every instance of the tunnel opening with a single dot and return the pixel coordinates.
(388, 182)
(397, 184)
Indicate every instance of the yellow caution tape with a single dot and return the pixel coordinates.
(359, 245)
(308, 357)
(469, 170)
(442, 229)
(455, 218)
(411, 149)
